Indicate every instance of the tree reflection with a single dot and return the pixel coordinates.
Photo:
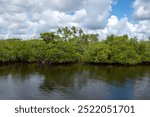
(74, 77)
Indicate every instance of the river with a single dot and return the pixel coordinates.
(74, 82)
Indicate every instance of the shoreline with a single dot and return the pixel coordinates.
(75, 63)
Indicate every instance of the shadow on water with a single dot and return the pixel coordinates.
(19, 81)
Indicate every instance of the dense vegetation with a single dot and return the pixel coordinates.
(73, 45)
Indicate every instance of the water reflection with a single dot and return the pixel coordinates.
(74, 82)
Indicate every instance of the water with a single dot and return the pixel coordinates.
(74, 82)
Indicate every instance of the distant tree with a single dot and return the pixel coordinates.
(93, 38)
(59, 31)
(81, 32)
(66, 33)
(74, 31)
(48, 36)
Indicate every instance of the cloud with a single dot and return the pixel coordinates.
(29, 18)
(139, 27)
(97, 11)
(141, 9)
(65, 5)
(123, 26)
(120, 27)
(18, 18)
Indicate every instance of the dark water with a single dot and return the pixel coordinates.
(74, 82)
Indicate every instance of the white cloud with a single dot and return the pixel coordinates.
(65, 5)
(137, 28)
(142, 9)
(141, 30)
(29, 17)
(119, 27)
(98, 11)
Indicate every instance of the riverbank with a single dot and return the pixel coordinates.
(37, 51)
(51, 48)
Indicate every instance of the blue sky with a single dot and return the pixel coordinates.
(28, 18)
(123, 8)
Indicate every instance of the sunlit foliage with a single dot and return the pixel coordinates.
(70, 45)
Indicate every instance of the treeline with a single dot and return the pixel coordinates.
(71, 45)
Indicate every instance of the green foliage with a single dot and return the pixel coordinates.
(48, 36)
(97, 53)
(71, 45)
(144, 51)
(62, 52)
(123, 50)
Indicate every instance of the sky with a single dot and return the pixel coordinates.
(122, 8)
(28, 18)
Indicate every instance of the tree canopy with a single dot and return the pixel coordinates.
(70, 45)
